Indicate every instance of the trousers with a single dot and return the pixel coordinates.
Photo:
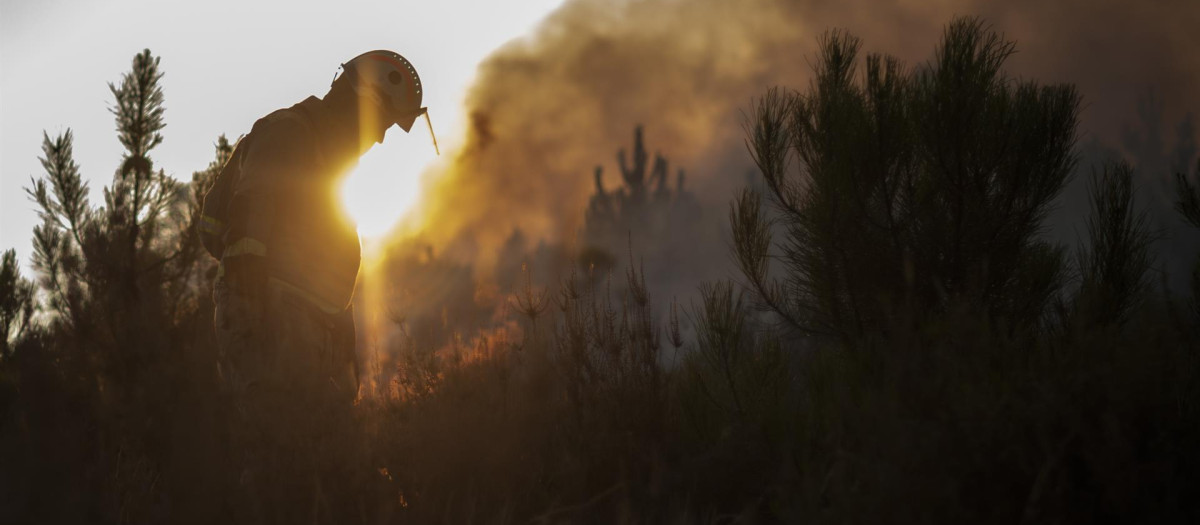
(288, 371)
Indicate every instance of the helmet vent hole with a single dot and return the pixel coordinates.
(395, 77)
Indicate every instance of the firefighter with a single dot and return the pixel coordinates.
(289, 259)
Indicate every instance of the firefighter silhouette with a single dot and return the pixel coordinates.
(289, 259)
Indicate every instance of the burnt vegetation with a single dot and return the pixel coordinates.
(899, 342)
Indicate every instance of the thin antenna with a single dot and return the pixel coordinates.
(431, 135)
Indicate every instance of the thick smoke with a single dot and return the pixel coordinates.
(547, 108)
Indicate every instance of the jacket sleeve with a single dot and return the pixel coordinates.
(269, 174)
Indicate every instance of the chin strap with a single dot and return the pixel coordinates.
(431, 135)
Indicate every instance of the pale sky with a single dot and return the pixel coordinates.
(226, 64)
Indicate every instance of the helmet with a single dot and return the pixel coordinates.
(388, 80)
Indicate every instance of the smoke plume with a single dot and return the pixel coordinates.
(546, 109)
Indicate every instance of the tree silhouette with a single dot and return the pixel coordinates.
(1188, 205)
(124, 290)
(916, 189)
(66, 217)
(1114, 268)
(635, 207)
(16, 304)
(644, 213)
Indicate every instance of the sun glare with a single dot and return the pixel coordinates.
(385, 186)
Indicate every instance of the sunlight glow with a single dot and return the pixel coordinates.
(381, 192)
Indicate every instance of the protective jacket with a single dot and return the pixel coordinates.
(284, 206)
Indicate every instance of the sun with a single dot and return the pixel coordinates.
(386, 185)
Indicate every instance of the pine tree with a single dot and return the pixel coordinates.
(66, 218)
(139, 203)
(1188, 205)
(918, 190)
(16, 304)
(644, 207)
(1114, 267)
(124, 290)
(203, 271)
